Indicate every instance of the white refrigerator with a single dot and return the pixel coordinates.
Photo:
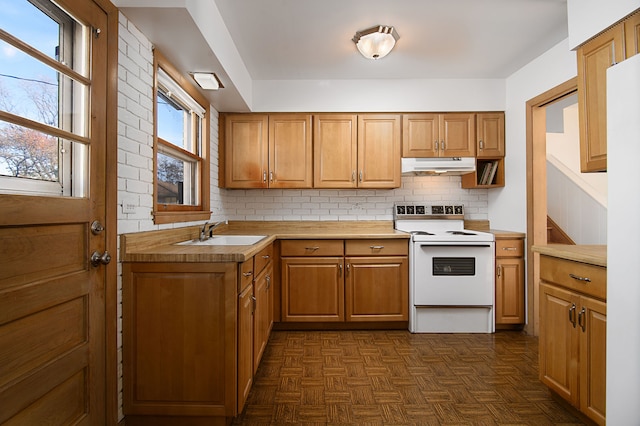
(623, 243)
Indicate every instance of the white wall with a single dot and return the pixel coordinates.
(508, 205)
(587, 18)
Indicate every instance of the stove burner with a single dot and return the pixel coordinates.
(421, 233)
(460, 233)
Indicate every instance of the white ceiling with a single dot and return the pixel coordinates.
(311, 39)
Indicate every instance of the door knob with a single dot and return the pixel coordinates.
(98, 259)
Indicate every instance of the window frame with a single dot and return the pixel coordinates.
(172, 213)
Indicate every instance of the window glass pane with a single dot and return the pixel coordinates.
(171, 120)
(31, 25)
(27, 153)
(176, 180)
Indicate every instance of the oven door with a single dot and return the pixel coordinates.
(452, 274)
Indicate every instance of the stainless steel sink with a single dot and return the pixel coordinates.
(225, 240)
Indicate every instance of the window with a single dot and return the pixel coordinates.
(181, 148)
(44, 108)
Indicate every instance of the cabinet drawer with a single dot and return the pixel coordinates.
(574, 275)
(262, 259)
(311, 248)
(382, 247)
(246, 275)
(510, 248)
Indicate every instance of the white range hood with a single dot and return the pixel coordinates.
(436, 166)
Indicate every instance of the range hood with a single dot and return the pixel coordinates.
(436, 166)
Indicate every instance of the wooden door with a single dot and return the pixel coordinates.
(490, 135)
(377, 288)
(312, 289)
(559, 341)
(335, 146)
(510, 291)
(290, 151)
(379, 151)
(420, 135)
(632, 35)
(457, 135)
(593, 358)
(594, 57)
(245, 345)
(246, 150)
(52, 300)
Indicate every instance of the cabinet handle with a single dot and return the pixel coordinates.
(271, 176)
(360, 175)
(340, 270)
(312, 248)
(268, 278)
(348, 269)
(582, 317)
(578, 278)
(442, 147)
(499, 270)
(572, 314)
(264, 176)
(247, 274)
(353, 176)
(376, 247)
(255, 303)
(509, 248)
(266, 256)
(435, 144)
(481, 144)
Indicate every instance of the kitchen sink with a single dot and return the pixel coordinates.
(225, 240)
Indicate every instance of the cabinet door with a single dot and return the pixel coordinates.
(335, 145)
(490, 135)
(246, 151)
(510, 291)
(632, 35)
(594, 57)
(312, 289)
(245, 345)
(559, 341)
(592, 320)
(290, 151)
(260, 317)
(379, 151)
(377, 288)
(457, 135)
(420, 135)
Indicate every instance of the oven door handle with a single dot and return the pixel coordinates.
(453, 244)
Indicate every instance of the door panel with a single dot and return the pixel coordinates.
(52, 300)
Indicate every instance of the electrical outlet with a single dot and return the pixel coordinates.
(128, 207)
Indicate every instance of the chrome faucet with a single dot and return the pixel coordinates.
(208, 229)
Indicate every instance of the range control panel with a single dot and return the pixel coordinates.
(426, 211)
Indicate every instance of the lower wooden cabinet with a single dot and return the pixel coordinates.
(573, 323)
(510, 281)
(344, 280)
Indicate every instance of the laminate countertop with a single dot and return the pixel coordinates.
(161, 246)
(591, 254)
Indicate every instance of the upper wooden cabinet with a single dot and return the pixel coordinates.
(594, 57)
(335, 145)
(267, 151)
(439, 135)
(379, 151)
(246, 150)
(490, 135)
(632, 35)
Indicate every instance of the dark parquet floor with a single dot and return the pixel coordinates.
(399, 378)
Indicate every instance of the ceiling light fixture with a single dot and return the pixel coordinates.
(207, 80)
(376, 42)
